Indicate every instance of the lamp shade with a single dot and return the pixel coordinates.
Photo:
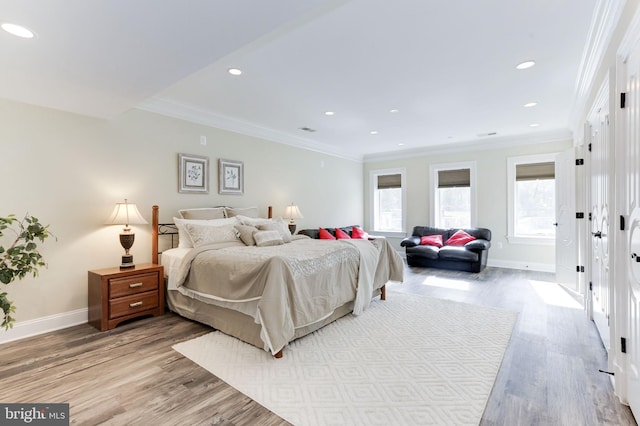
(292, 212)
(125, 214)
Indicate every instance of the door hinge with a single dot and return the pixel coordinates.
(579, 161)
(621, 222)
(623, 345)
(579, 268)
(589, 147)
(579, 215)
(590, 216)
(623, 100)
(590, 286)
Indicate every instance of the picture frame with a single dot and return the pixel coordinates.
(193, 175)
(230, 177)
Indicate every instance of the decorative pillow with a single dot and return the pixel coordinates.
(184, 240)
(325, 235)
(341, 235)
(207, 234)
(268, 238)
(431, 240)
(252, 221)
(358, 233)
(460, 238)
(251, 212)
(277, 225)
(206, 213)
(245, 232)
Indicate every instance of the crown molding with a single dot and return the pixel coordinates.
(606, 17)
(186, 112)
(474, 145)
(631, 37)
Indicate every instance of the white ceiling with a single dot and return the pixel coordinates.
(448, 67)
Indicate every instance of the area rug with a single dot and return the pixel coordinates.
(409, 360)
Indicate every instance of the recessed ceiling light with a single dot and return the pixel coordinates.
(234, 71)
(329, 113)
(526, 64)
(374, 132)
(534, 125)
(400, 144)
(17, 30)
(530, 104)
(393, 111)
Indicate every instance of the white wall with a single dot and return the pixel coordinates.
(69, 170)
(491, 169)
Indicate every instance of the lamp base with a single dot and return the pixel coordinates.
(127, 262)
(292, 228)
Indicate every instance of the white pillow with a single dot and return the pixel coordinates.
(184, 240)
(244, 211)
(205, 213)
(277, 225)
(252, 221)
(267, 238)
(206, 234)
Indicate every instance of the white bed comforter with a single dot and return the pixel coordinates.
(287, 286)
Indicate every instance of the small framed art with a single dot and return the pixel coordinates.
(193, 174)
(231, 177)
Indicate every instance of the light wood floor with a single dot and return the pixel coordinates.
(131, 376)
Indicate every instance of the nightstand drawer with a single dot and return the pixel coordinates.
(132, 304)
(134, 284)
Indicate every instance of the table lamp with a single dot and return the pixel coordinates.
(292, 212)
(126, 214)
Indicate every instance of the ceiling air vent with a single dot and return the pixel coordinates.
(307, 129)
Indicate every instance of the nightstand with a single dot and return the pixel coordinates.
(117, 295)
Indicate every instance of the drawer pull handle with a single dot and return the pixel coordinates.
(135, 285)
(135, 304)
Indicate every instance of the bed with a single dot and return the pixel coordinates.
(268, 295)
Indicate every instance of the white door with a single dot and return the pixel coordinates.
(632, 149)
(566, 253)
(600, 179)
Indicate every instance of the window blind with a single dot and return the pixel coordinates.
(389, 181)
(454, 178)
(535, 171)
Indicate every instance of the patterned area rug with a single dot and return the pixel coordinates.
(409, 360)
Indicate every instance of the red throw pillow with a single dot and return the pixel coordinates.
(460, 238)
(359, 233)
(431, 240)
(341, 235)
(325, 235)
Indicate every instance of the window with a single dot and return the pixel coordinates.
(532, 198)
(387, 201)
(453, 197)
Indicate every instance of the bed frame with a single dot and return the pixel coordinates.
(225, 320)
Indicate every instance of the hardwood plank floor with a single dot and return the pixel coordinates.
(131, 376)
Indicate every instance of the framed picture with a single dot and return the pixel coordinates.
(231, 177)
(193, 173)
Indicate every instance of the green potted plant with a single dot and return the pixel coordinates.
(20, 258)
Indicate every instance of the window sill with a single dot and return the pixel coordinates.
(535, 241)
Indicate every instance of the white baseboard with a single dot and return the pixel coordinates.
(527, 266)
(42, 325)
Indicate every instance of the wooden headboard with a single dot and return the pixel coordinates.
(158, 229)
